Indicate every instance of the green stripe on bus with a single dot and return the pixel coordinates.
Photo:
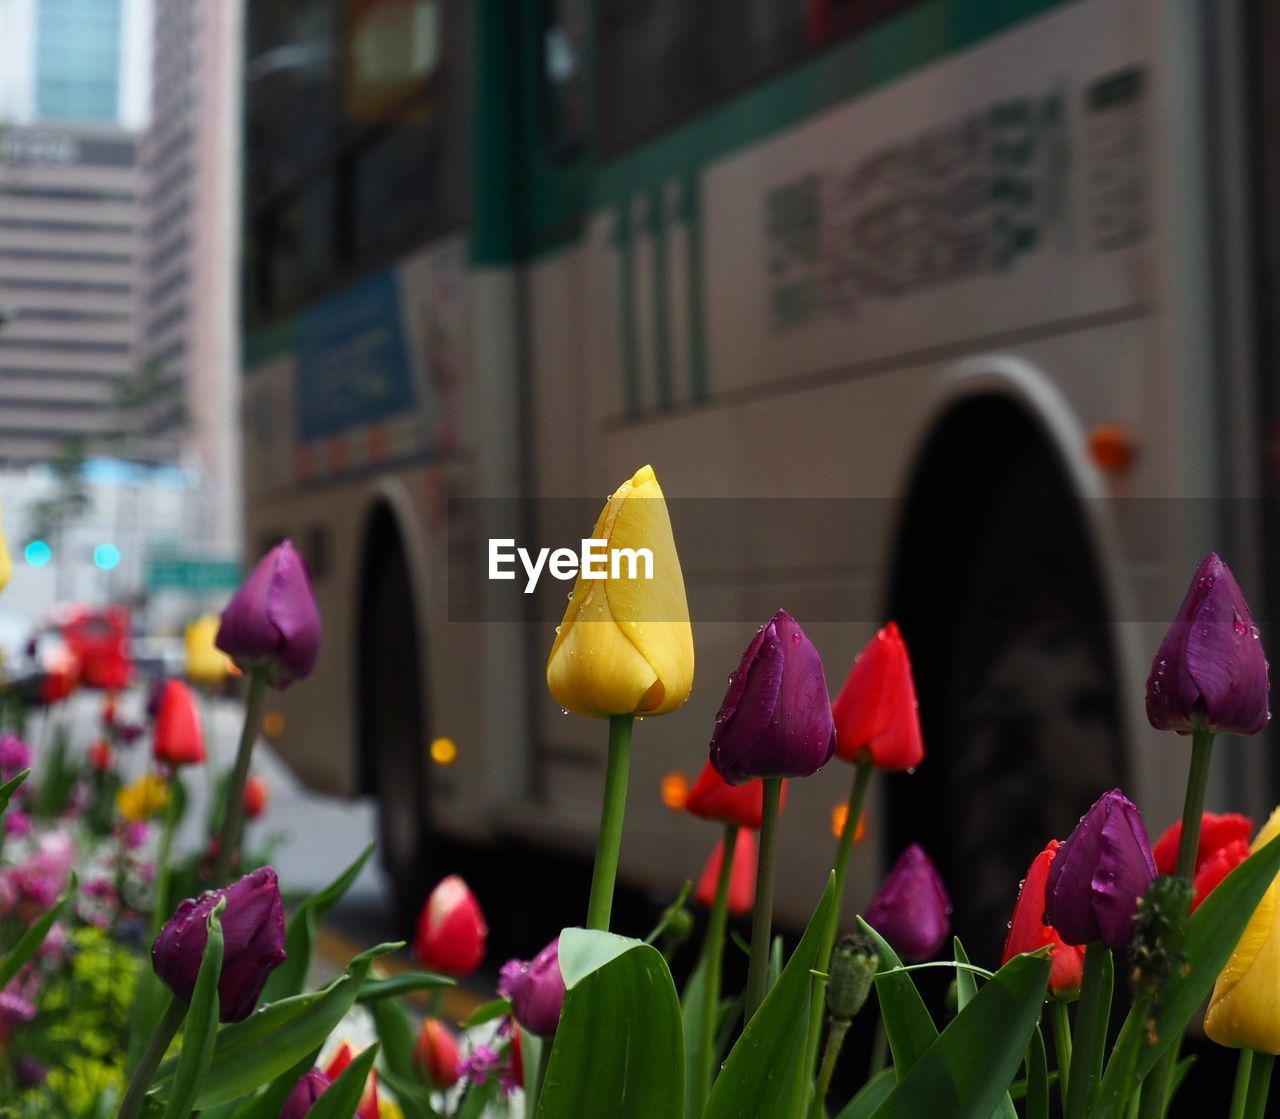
(887, 51)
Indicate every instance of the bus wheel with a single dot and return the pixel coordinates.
(1021, 715)
(393, 728)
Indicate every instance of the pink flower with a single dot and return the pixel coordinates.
(43, 876)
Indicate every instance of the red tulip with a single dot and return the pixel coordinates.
(876, 714)
(100, 756)
(257, 795)
(451, 930)
(368, 1108)
(436, 1055)
(179, 737)
(1028, 932)
(742, 875)
(1224, 845)
(515, 1054)
(713, 798)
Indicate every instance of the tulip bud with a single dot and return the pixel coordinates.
(1224, 845)
(876, 714)
(451, 930)
(775, 720)
(1029, 933)
(1243, 1010)
(854, 964)
(310, 1087)
(1099, 873)
(28, 1073)
(178, 734)
(536, 990)
(713, 798)
(206, 663)
(257, 795)
(272, 622)
(742, 875)
(342, 1057)
(625, 645)
(253, 934)
(911, 910)
(436, 1055)
(140, 800)
(1156, 954)
(1210, 671)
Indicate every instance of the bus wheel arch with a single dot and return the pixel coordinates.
(999, 589)
(392, 714)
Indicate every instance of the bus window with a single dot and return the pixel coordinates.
(357, 140)
(564, 85)
(662, 60)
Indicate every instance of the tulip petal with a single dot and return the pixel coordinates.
(1124, 870)
(748, 708)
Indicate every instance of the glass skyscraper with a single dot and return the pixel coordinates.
(78, 57)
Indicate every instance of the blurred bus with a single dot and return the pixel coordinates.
(986, 282)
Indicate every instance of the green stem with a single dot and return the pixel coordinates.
(857, 794)
(229, 837)
(1131, 1092)
(1259, 1085)
(762, 918)
(1240, 1094)
(1193, 807)
(164, 858)
(713, 957)
(1086, 1043)
(1062, 1043)
(151, 1058)
(1155, 1093)
(836, 1031)
(879, 1048)
(612, 813)
(544, 1061)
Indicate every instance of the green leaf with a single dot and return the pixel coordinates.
(1037, 1085)
(907, 1024)
(617, 1051)
(201, 1028)
(10, 787)
(872, 1094)
(766, 1073)
(29, 942)
(300, 934)
(496, 1008)
(1212, 934)
(275, 1037)
(966, 989)
(414, 1098)
(342, 1097)
(396, 1033)
(269, 1102)
(693, 1001)
(966, 1072)
(404, 983)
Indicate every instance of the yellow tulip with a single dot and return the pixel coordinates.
(206, 663)
(1244, 1012)
(6, 564)
(625, 645)
(146, 797)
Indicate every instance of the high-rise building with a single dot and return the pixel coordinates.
(69, 223)
(189, 318)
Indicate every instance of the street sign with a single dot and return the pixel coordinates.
(193, 574)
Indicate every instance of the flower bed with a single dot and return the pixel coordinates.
(136, 983)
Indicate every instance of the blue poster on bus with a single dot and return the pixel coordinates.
(352, 360)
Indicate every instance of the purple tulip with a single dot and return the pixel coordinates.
(1099, 873)
(310, 1087)
(775, 720)
(17, 824)
(1210, 671)
(253, 928)
(15, 756)
(911, 910)
(273, 622)
(536, 990)
(29, 1073)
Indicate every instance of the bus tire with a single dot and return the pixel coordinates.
(1022, 720)
(393, 727)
